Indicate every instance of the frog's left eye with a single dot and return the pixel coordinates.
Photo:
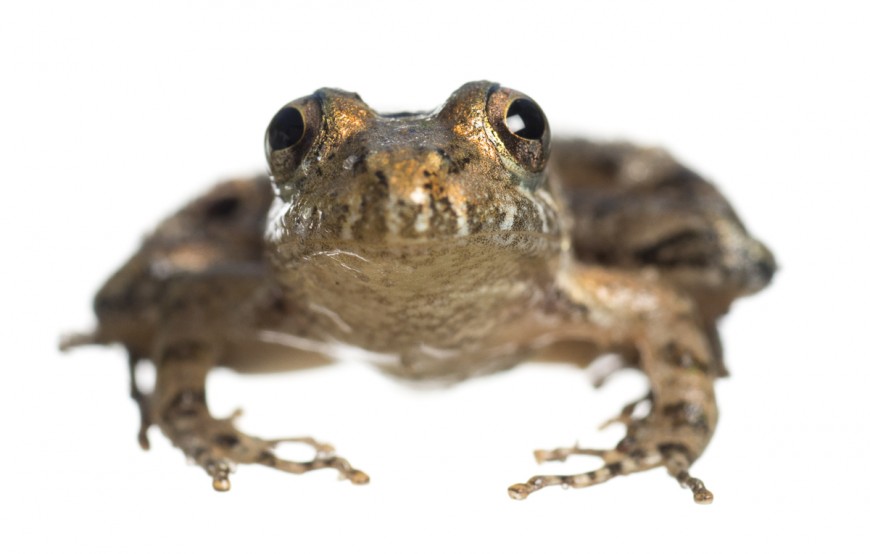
(521, 127)
(290, 135)
(525, 119)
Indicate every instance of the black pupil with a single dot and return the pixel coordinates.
(525, 119)
(286, 129)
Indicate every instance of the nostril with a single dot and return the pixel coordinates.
(765, 270)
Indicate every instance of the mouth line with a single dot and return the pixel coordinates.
(391, 240)
(355, 252)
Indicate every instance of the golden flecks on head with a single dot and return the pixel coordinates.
(446, 174)
(346, 117)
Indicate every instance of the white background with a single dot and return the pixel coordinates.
(112, 116)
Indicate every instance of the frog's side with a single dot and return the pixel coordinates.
(440, 246)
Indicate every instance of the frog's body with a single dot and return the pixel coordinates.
(439, 246)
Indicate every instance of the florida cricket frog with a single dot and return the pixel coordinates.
(439, 245)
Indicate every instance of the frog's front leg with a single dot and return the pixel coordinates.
(178, 407)
(675, 353)
(202, 316)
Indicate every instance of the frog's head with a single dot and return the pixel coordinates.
(472, 170)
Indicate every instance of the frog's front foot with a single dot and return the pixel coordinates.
(178, 407)
(217, 446)
(660, 439)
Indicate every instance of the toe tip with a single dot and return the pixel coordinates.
(520, 491)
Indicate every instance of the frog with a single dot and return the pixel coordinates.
(438, 246)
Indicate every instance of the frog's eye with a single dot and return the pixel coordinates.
(286, 129)
(525, 119)
(521, 127)
(291, 134)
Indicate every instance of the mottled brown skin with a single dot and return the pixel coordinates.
(439, 246)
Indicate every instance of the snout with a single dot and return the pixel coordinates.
(409, 194)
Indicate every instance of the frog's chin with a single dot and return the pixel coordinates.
(450, 291)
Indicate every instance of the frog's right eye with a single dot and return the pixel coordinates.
(290, 135)
(286, 129)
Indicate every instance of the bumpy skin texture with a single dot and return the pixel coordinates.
(442, 245)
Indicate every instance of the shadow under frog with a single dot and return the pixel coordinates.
(438, 245)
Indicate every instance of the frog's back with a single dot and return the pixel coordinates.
(222, 230)
(636, 207)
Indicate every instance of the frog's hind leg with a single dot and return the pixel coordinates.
(179, 408)
(97, 337)
(75, 340)
(143, 401)
(636, 207)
